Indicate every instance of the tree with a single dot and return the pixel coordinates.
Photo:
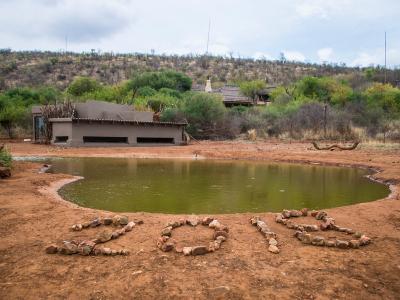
(252, 88)
(10, 113)
(81, 85)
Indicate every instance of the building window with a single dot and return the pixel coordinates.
(61, 139)
(154, 140)
(105, 139)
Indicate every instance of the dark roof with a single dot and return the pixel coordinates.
(77, 120)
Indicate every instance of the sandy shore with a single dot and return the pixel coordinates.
(32, 216)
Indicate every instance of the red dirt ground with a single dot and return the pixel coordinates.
(242, 269)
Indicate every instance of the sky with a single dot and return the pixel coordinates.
(331, 31)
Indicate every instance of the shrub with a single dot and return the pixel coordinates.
(82, 85)
(5, 158)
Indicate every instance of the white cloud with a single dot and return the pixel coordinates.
(377, 57)
(325, 54)
(262, 56)
(294, 56)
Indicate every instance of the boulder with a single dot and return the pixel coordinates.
(128, 227)
(355, 244)
(5, 172)
(207, 220)
(318, 241)
(310, 228)
(187, 251)
(320, 215)
(273, 242)
(214, 224)
(273, 249)
(120, 220)
(77, 227)
(107, 221)
(168, 246)
(96, 222)
(364, 240)
(295, 213)
(199, 250)
(167, 231)
(51, 249)
(68, 248)
(279, 218)
(220, 233)
(175, 224)
(192, 221)
(342, 244)
(103, 237)
(86, 247)
(330, 243)
(304, 212)
(286, 214)
(306, 238)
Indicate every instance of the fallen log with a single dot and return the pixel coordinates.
(336, 146)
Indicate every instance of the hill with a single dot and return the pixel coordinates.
(35, 68)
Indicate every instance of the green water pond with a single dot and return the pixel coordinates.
(208, 186)
(211, 186)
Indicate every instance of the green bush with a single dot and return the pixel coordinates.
(5, 158)
(81, 85)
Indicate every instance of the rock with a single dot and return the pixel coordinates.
(120, 220)
(269, 235)
(178, 249)
(214, 224)
(199, 250)
(115, 235)
(68, 248)
(330, 243)
(222, 228)
(290, 225)
(318, 241)
(298, 234)
(313, 213)
(349, 231)
(77, 227)
(279, 218)
(320, 215)
(207, 220)
(187, 251)
(175, 224)
(168, 246)
(342, 229)
(97, 251)
(217, 244)
(192, 221)
(286, 214)
(138, 221)
(128, 227)
(96, 222)
(342, 244)
(86, 224)
(304, 212)
(310, 228)
(306, 238)
(107, 221)
(364, 240)
(124, 252)
(355, 244)
(254, 220)
(220, 233)
(5, 172)
(295, 213)
(221, 239)
(51, 249)
(357, 235)
(86, 247)
(167, 231)
(273, 242)
(103, 237)
(114, 252)
(106, 251)
(327, 224)
(273, 249)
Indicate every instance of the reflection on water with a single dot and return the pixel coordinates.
(183, 186)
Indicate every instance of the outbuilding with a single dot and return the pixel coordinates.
(98, 123)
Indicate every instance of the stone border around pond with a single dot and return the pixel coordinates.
(303, 235)
(88, 247)
(166, 243)
(268, 234)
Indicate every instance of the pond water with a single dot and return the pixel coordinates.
(204, 186)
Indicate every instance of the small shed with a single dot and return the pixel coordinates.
(98, 123)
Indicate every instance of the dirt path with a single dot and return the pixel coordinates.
(241, 269)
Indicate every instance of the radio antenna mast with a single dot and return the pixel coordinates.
(208, 35)
(385, 59)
